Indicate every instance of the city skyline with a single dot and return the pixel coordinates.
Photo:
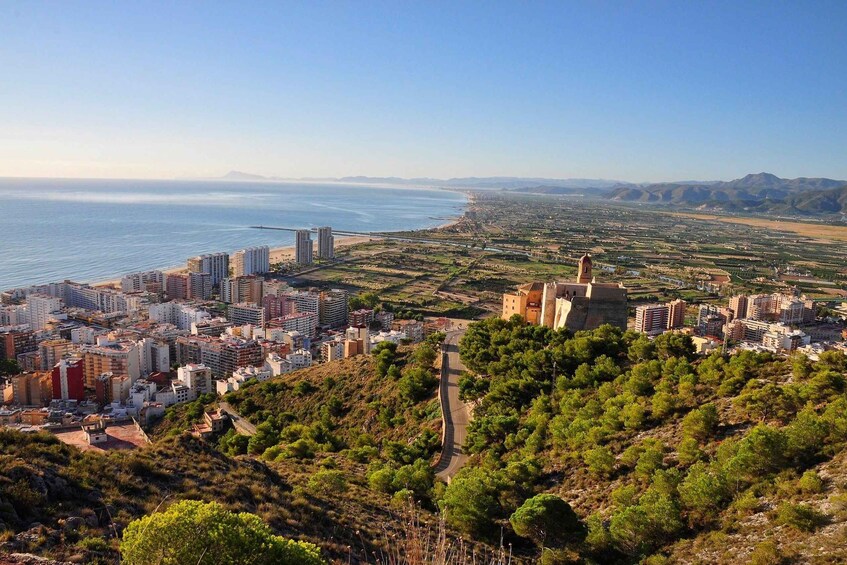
(642, 92)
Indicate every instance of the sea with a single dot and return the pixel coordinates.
(95, 230)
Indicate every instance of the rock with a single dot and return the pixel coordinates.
(72, 523)
(92, 520)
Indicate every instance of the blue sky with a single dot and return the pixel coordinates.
(640, 91)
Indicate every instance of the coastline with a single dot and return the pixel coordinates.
(286, 253)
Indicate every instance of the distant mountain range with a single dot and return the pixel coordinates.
(761, 193)
(477, 183)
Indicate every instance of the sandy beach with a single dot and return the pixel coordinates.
(277, 255)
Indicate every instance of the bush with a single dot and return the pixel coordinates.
(205, 533)
(766, 553)
(600, 461)
(800, 516)
(470, 501)
(810, 483)
(688, 452)
(328, 481)
(701, 423)
(547, 520)
(416, 384)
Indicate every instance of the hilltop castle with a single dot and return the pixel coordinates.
(582, 305)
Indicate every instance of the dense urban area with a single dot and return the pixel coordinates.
(545, 379)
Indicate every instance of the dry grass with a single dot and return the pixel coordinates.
(822, 232)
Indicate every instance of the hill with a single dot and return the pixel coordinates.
(763, 192)
(603, 446)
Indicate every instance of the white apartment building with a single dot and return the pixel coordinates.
(245, 313)
(41, 309)
(216, 264)
(250, 261)
(179, 314)
(197, 377)
(137, 282)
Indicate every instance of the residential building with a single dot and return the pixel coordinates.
(251, 261)
(738, 305)
(303, 322)
(242, 289)
(41, 309)
(196, 377)
(385, 318)
(50, 351)
(181, 315)
(303, 247)
(215, 264)
(676, 314)
(326, 243)
(362, 317)
(652, 319)
(276, 306)
(176, 286)
(15, 342)
(32, 389)
(246, 313)
(333, 308)
(68, 381)
(222, 355)
(154, 355)
(120, 357)
(412, 328)
(333, 349)
(138, 282)
(305, 301)
(199, 286)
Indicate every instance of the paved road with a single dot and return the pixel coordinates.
(454, 412)
(242, 426)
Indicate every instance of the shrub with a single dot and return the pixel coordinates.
(800, 516)
(600, 461)
(328, 481)
(701, 423)
(547, 519)
(205, 533)
(766, 553)
(810, 483)
(688, 452)
(470, 501)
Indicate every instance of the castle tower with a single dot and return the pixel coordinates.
(584, 274)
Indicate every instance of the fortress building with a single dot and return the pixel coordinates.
(583, 305)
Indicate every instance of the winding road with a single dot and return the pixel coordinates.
(454, 412)
(242, 425)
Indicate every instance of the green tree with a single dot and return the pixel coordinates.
(205, 533)
(328, 481)
(266, 436)
(547, 520)
(701, 423)
(416, 384)
(470, 501)
(600, 461)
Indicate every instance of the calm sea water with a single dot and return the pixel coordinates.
(90, 230)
